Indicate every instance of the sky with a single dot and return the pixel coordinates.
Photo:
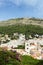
(20, 8)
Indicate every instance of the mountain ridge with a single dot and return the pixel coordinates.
(33, 21)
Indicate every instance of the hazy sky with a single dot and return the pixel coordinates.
(20, 8)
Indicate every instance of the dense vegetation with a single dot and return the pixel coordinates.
(10, 58)
(25, 29)
(27, 60)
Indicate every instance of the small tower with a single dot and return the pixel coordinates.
(27, 45)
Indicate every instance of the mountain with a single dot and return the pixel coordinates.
(33, 21)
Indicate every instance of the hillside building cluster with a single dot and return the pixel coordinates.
(33, 47)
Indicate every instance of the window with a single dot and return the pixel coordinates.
(27, 48)
(27, 44)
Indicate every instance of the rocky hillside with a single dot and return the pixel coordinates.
(26, 21)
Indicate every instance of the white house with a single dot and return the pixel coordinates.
(33, 44)
(15, 43)
(21, 39)
(30, 44)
